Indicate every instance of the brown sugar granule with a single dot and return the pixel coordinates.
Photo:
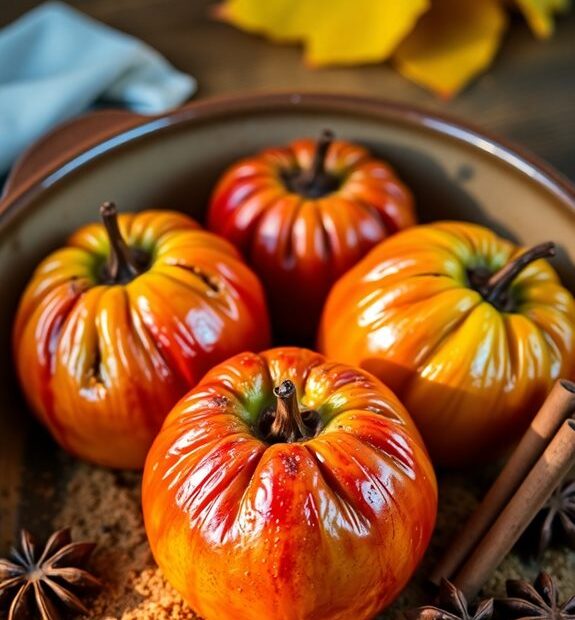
(104, 506)
(160, 599)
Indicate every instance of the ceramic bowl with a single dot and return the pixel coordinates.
(455, 172)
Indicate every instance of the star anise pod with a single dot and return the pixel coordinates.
(452, 605)
(39, 583)
(540, 600)
(558, 517)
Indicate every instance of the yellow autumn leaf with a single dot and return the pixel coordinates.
(540, 13)
(334, 32)
(454, 41)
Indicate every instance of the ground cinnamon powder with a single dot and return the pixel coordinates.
(104, 506)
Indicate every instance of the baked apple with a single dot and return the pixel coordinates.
(114, 328)
(302, 215)
(289, 487)
(469, 330)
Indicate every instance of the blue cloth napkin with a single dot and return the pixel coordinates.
(55, 63)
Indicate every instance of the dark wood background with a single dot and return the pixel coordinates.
(527, 96)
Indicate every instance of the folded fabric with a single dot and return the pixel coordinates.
(55, 63)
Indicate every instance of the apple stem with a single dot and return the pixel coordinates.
(317, 170)
(315, 181)
(498, 284)
(288, 424)
(121, 267)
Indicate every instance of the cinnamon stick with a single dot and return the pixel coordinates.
(552, 466)
(558, 406)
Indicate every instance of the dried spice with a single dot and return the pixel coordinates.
(39, 583)
(540, 600)
(452, 605)
(557, 518)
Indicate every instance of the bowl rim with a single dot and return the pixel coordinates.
(196, 112)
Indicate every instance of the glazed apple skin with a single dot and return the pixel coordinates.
(301, 244)
(471, 374)
(327, 528)
(102, 364)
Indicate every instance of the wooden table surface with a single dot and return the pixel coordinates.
(527, 96)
